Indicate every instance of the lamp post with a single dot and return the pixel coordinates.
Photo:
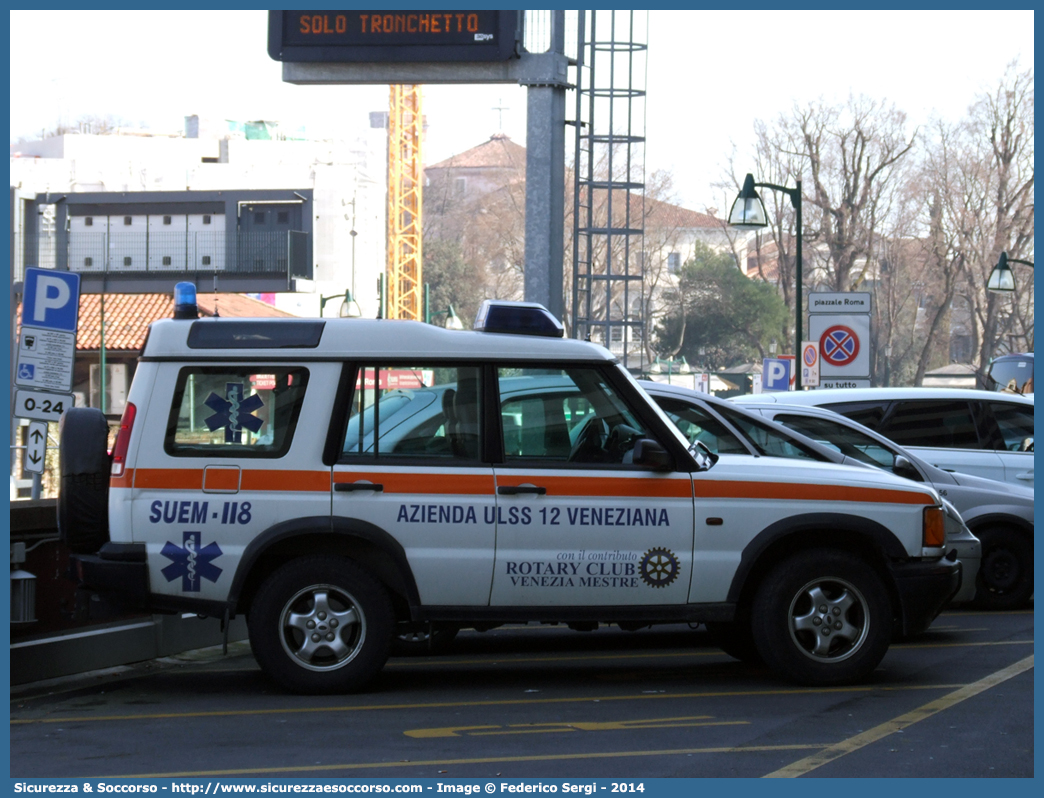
(748, 213)
(349, 307)
(1001, 280)
(453, 321)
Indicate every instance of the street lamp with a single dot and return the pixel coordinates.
(1002, 281)
(349, 307)
(453, 321)
(748, 213)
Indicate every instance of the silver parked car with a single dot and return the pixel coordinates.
(983, 433)
(728, 429)
(998, 513)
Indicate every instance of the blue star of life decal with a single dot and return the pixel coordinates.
(233, 412)
(190, 562)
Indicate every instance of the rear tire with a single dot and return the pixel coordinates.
(822, 617)
(321, 625)
(1005, 579)
(83, 491)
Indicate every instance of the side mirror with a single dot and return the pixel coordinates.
(650, 453)
(902, 467)
(1027, 445)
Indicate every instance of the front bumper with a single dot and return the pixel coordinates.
(924, 589)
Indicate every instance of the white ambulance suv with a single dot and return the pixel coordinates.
(261, 469)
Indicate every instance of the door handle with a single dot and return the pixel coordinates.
(514, 490)
(1027, 475)
(348, 487)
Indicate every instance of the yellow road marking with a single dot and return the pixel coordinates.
(442, 763)
(810, 763)
(486, 703)
(539, 728)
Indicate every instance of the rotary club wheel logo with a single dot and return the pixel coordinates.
(659, 567)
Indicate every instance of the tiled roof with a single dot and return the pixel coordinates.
(127, 316)
(499, 152)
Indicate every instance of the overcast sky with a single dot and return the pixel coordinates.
(710, 76)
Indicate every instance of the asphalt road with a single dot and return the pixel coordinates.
(552, 703)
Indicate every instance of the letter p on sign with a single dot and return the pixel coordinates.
(51, 300)
(775, 374)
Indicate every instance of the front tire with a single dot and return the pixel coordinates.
(321, 625)
(822, 618)
(1005, 579)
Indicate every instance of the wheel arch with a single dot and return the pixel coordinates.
(862, 536)
(995, 519)
(368, 545)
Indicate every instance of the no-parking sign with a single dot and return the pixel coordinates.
(810, 364)
(844, 343)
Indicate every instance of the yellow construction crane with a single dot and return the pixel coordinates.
(404, 278)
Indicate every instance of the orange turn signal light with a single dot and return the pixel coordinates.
(934, 527)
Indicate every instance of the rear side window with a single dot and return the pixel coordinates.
(869, 414)
(418, 411)
(225, 411)
(938, 424)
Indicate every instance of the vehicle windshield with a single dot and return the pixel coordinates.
(1012, 374)
(844, 439)
(766, 440)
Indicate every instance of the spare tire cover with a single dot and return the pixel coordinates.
(83, 490)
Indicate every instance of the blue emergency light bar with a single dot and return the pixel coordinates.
(517, 318)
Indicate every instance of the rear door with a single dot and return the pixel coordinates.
(412, 466)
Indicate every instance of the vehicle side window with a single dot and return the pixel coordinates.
(697, 424)
(225, 411)
(1016, 425)
(869, 414)
(421, 411)
(846, 440)
(939, 424)
(766, 440)
(565, 416)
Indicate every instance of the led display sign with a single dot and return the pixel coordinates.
(391, 36)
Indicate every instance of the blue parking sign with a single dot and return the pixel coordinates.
(51, 300)
(775, 374)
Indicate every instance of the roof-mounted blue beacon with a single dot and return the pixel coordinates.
(185, 301)
(519, 318)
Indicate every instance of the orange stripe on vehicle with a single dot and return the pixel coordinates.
(169, 478)
(655, 487)
(259, 479)
(457, 484)
(714, 489)
(126, 481)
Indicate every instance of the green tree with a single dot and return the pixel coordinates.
(718, 310)
(453, 281)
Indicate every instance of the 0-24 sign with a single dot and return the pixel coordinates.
(41, 405)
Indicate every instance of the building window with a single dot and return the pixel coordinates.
(206, 260)
(259, 217)
(460, 185)
(88, 221)
(259, 264)
(166, 260)
(673, 262)
(88, 261)
(126, 261)
(166, 220)
(126, 220)
(206, 218)
(283, 217)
